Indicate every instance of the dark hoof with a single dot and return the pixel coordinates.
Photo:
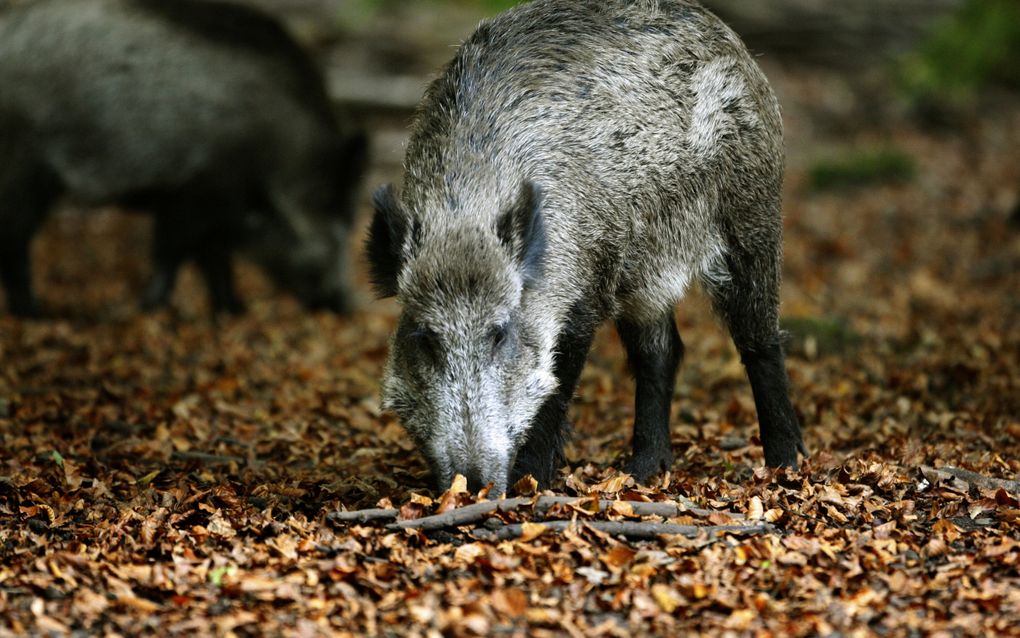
(150, 307)
(645, 467)
(541, 471)
(26, 311)
(785, 454)
(541, 466)
(232, 308)
(22, 304)
(543, 455)
(154, 301)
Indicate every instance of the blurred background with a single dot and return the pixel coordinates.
(840, 68)
(883, 100)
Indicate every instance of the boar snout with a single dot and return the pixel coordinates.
(481, 470)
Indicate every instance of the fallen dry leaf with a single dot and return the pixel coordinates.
(164, 474)
(531, 531)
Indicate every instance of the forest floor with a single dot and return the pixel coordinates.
(163, 475)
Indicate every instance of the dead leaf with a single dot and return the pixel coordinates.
(612, 485)
(512, 602)
(666, 598)
(618, 557)
(531, 531)
(469, 552)
(526, 486)
(755, 510)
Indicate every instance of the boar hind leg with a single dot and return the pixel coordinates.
(542, 453)
(178, 237)
(777, 421)
(654, 350)
(747, 298)
(169, 251)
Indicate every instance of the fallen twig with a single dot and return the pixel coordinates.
(973, 478)
(363, 516)
(665, 509)
(478, 511)
(630, 529)
(460, 516)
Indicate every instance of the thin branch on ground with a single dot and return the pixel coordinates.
(363, 516)
(973, 478)
(470, 514)
(629, 529)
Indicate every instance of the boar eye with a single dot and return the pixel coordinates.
(498, 336)
(427, 339)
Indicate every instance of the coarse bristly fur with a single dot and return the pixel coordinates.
(579, 161)
(205, 113)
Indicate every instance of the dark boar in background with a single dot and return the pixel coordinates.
(579, 161)
(206, 114)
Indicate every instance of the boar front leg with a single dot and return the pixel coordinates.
(654, 350)
(25, 197)
(17, 276)
(542, 453)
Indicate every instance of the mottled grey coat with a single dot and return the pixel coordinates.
(579, 161)
(207, 113)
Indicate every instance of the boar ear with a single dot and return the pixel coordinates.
(385, 243)
(522, 231)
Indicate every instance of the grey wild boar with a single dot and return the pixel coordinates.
(579, 161)
(206, 114)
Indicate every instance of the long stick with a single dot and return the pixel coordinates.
(478, 511)
(973, 478)
(631, 529)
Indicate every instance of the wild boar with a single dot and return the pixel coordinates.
(205, 113)
(576, 162)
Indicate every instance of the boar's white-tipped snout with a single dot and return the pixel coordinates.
(484, 460)
(494, 472)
